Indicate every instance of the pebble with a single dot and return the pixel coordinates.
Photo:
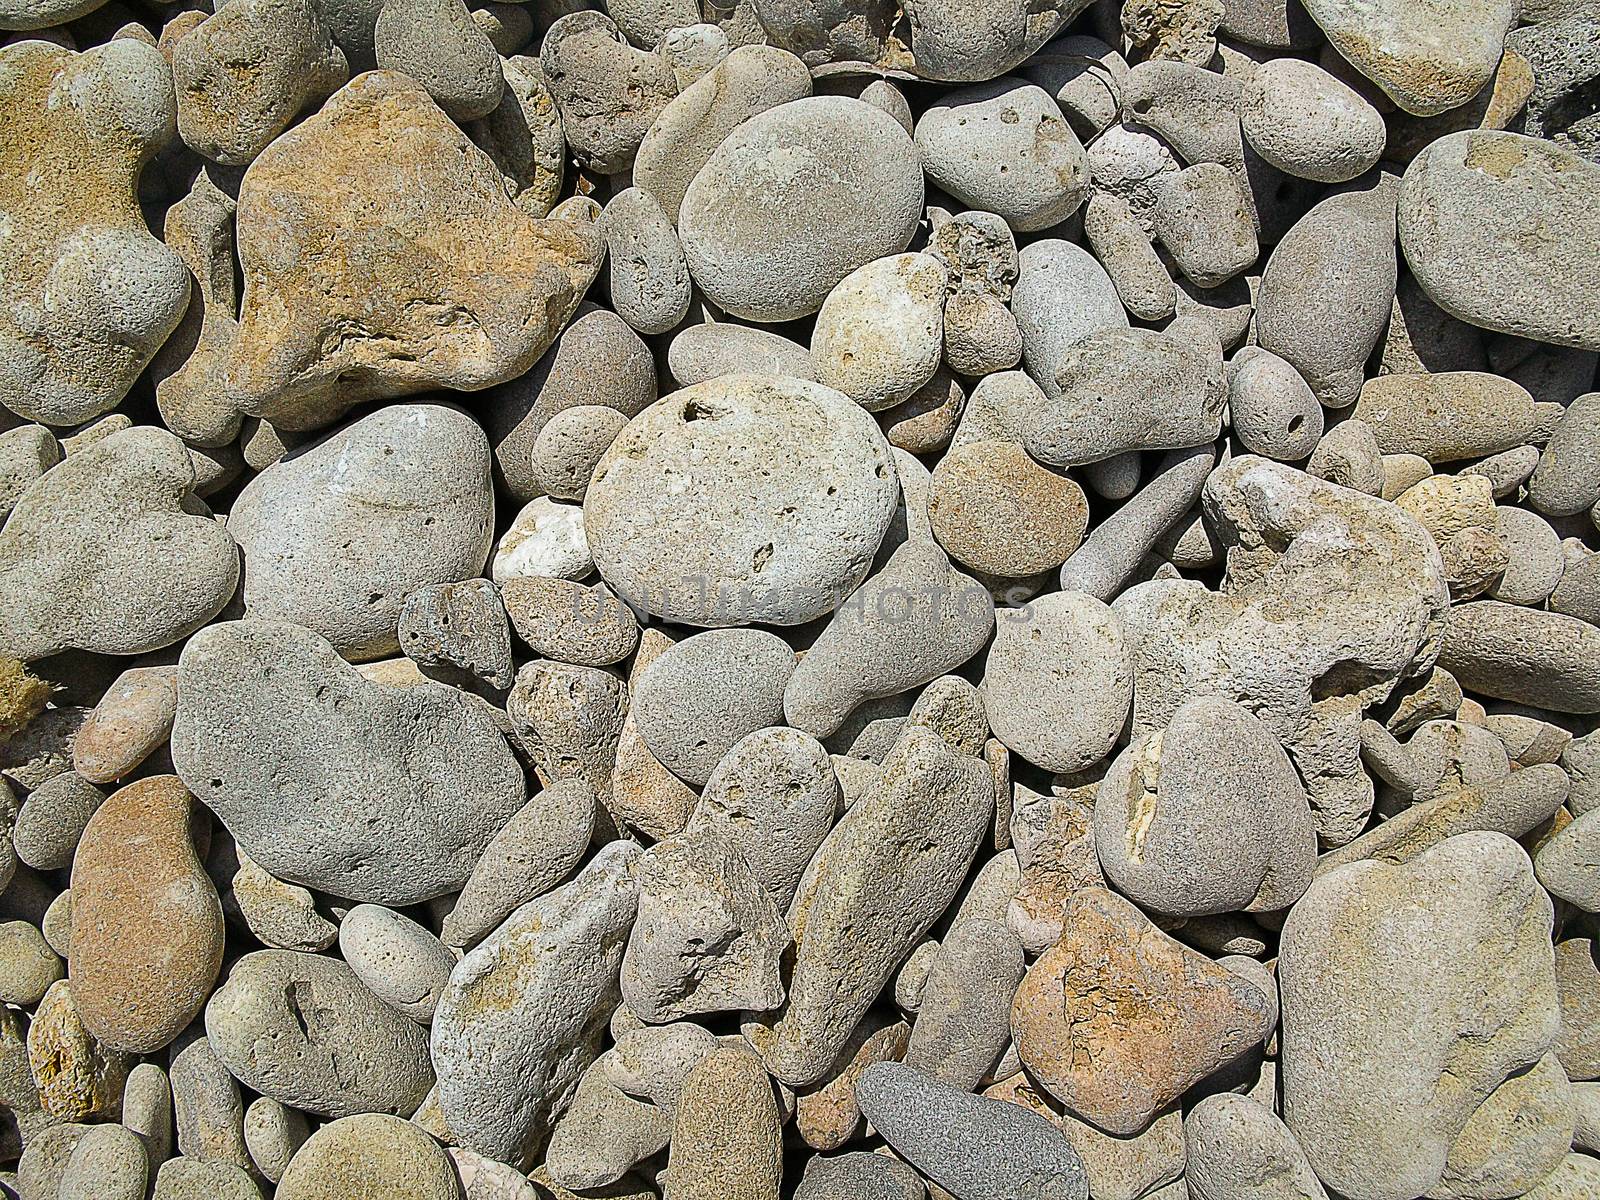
(1117, 1020)
(207, 1106)
(109, 527)
(278, 914)
(1005, 148)
(1465, 204)
(108, 1163)
(859, 1175)
(608, 92)
(569, 622)
(570, 718)
(95, 293)
(546, 538)
(458, 626)
(768, 242)
(776, 538)
(273, 1133)
(366, 1154)
(1203, 217)
(701, 352)
(338, 537)
(131, 721)
(439, 45)
(1427, 58)
(1271, 408)
(1005, 1151)
(30, 965)
(479, 308)
(52, 820)
(880, 332)
(726, 1141)
(570, 446)
(1564, 864)
(1524, 655)
(427, 782)
(147, 932)
(400, 962)
(147, 1110)
(522, 1015)
(964, 1006)
(1535, 566)
(235, 95)
(193, 1179)
(78, 1077)
(649, 276)
(1567, 479)
(827, 1116)
(303, 1029)
(603, 1134)
(1307, 123)
(998, 512)
(859, 910)
(1240, 1150)
(1475, 954)
(1061, 296)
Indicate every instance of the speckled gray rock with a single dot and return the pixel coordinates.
(1005, 1151)
(303, 1029)
(398, 960)
(26, 453)
(1428, 58)
(1567, 479)
(52, 820)
(1128, 389)
(774, 796)
(92, 294)
(1536, 565)
(860, 910)
(1546, 659)
(1271, 408)
(1327, 291)
(460, 626)
(108, 1163)
(1004, 147)
(705, 693)
(535, 850)
(1378, 1104)
(1058, 681)
(569, 622)
(1446, 416)
(787, 490)
(859, 1175)
(708, 937)
(27, 964)
(914, 620)
(1239, 1150)
(1348, 454)
(1566, 864)
(378, 794)
(1309, 124)
(438, 44)
(880, 332)
(608, 92)
(244, 75)
(1204, 217)
(569, 447)
(702, 352)
(195, 1179)
(750, 80)
(370, 1153)
(208, 1111)
(1061, 296)
(768, 235)
(964, 1008)
(1465, 205)
(106, 553)
(571, 718)
(524, 1012)
(337, 537)
(649, 276)
(272, 1134)
(1206, 816)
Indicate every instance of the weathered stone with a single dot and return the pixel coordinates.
(78, 1077)
(726, 1143)
(370, 1154)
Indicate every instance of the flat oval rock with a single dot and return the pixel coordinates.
(745, 498)
(386, 795)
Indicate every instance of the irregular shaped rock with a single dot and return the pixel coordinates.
(1465, 206)
(338, 536)
(523, 137)
(970, 1145)
(377, 794)
(349, 296)
(1475, 959)
(370, 1154)
(572, 719)
(460, 626)
(545, 538)
(1240, 1150)
(914, 620)
(207, 1106)
(604, 1133)
(796, 198)
(886, 872)
(879, 333)
(438, 44)
(787, 490)
(1117, 1020)
(708, 937)
(608, 93)
(303, 1029)
(147, 934)
(78, 1078)
(1428, 57)
(1459, 514)
(533, 852)
(1062, 295)
(102, 554)
(523, 1014)
(89, 294)
(243, 75)
(827, 1116)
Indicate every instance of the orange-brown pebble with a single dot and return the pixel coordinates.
(147, 930)
(996, 510)
(131, 720)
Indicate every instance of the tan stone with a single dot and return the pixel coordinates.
(87, 294)
(725, 1143)
(78, 1077)
(997, 511)
(382, 257)
(828, 1117)
(1117, 1020)
(147, 928)
(131, 720)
